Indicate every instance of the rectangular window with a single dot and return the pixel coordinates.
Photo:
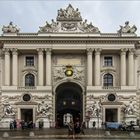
(29, 60)
(107, 61)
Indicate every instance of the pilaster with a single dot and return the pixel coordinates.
(48, 66)
(123, 66)
(14, 67)
(89, 66)
(40, 67)
(7, 66)
(97, 66)
(131, 67)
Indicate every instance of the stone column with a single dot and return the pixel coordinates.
(97, 67)
(89, 67)
(48, 66)
(131, 67)
(123, 67)
(40, 67)
(7, 67)
(14, 67)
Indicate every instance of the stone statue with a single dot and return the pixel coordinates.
(95, 109)
(130, 108)
(69, 13)
(8, 110)
(46, 28)
(59, 73)
(10, 28)
(43, 109)
(49, 27)
(127, 29)
(85, 27)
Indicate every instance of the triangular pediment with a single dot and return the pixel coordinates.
(69, 20)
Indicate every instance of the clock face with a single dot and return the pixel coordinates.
(69, 72)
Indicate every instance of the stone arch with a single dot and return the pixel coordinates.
(69, 98)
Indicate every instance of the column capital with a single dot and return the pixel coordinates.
(123, 51)
(131, 51)
(48, 51)
(40, 50)
(90, 51)
(6, 51)
(14, 51)
(97, 51)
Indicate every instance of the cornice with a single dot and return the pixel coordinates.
(71, 41)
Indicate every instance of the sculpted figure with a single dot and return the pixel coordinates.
(46, 28)
(95, 109)
(127, 28)
(10, 28)
(43, 108)
(130, 108)
(84, 26)
(8, 110)
(61, 13)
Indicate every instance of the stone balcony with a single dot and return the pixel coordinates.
(26, 88)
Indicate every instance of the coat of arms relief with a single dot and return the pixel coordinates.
(63, 70)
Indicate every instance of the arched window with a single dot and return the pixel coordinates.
(108, 80)
(29, 80)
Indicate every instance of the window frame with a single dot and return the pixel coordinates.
(30, 63)
(28, 84)
(108, 84)
(107, 64)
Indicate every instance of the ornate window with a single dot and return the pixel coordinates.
(108, 80)
(108, 61)
(29, 60)
(29, 80)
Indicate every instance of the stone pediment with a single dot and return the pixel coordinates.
(69, 20)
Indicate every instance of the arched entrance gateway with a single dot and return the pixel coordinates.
(69, 103)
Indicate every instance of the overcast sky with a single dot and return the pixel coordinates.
(107, 15)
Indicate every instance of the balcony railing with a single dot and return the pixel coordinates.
(111, 87)
(27, 87)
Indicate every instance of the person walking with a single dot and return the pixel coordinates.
(71, 131)
(83, 126)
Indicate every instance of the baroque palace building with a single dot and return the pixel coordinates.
(69, 70)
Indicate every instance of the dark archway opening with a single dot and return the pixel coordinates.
(69, 100)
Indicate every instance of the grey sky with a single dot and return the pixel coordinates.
(107, 15)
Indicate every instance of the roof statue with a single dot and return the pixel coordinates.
(69, 20)
(127, 29)
(10, 28)
(49, 27)
(69, 14)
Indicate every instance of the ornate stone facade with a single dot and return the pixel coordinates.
(69, 68)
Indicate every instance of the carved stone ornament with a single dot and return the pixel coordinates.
(72, 72)
(8, 110)
(85, 27)
(69, 14)
(53, 27)
(94, 110)
(69, 26)
(10, 28)
(68, 20)
(130, 109)
(127, 29)
(44, 109)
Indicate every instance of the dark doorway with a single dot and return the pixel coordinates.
(27, 115)
(111, 115)
(69, 99)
